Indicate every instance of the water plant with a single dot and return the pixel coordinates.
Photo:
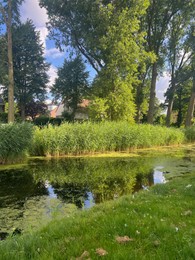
(100, 137)
(15, 140)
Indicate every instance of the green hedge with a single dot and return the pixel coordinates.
(94, 137)
(15, 140)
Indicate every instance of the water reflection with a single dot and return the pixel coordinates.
(52, 188)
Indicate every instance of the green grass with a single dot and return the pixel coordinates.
(103, 137)
(161, 222)
(15, 140)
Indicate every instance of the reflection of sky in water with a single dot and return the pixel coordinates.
(158, 175)
(90, 201)
(50, 190)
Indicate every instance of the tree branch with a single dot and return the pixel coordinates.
(2, 10)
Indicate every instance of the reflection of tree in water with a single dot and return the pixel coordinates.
(106, 178)
(71, 193)
(18, 185)
(144, 181)
(16, 188)
(24, 195)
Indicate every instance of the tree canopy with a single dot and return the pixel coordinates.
(71, 84)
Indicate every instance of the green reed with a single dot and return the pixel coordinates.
(15, 140)
(101, 137)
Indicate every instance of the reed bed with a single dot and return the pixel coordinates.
(101, 137)
(190, 134)
(15, 140)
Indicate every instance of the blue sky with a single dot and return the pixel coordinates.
(31, 10)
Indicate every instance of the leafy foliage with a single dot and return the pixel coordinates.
(71, 84)
(29, 65)
(113, 45)
(35, 108)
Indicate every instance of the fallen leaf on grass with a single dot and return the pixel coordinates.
(124, 239)
(83, 256)
(187, 213)
(101, 252)
(156, 243)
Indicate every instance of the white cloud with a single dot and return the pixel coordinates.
(161, 87)
(54, 53)
(52, 75)
(30, 9)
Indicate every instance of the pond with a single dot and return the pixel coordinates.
(44, 189)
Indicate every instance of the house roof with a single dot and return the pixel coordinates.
(84, 103)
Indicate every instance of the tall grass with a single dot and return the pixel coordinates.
(101, 137)
(15, 140)
(190, 133)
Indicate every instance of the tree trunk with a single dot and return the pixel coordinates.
(23, 116)
(169, 112)
(190, 112)
(170, 104)
(138, 100)
(138, 114)
(179, 116)
(10, 66)
(152, 94)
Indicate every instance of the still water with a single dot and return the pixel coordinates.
(45, 189)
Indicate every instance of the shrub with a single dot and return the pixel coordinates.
(15, 139)
(190, 133)
(44, 120)
(100, 137)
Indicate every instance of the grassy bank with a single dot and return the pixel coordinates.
(108, 136)
(15, 140)
(159, 222)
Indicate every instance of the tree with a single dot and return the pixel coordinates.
(9, 14)
(108, 35)
(30, 68)
(178, 56)
(71, 84)
(159, 15)
(35, 108)
(3, 61)
(191, 105)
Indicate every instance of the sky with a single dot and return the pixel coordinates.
(30, 9)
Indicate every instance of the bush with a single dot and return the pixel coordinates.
(3, 117)
(44, 120)
(15, 139)
(190, 133)
(100, 137)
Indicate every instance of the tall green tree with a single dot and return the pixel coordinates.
(178, 56)
(190, 112)
(108, 34)
(159, 15)
(9, 11)
(3, 60)
(30, 67)
(71, 84)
